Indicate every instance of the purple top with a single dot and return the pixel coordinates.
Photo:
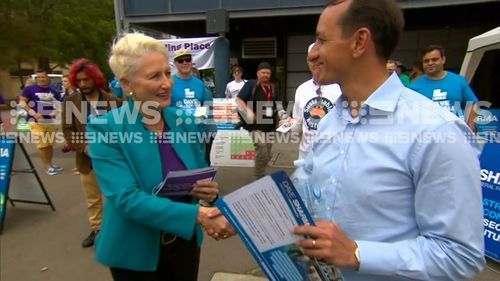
(171, 162)
(41, 99)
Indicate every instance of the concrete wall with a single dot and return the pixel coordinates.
(454, 41)
(10, 86)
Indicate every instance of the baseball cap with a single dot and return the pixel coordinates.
(264, 65)
(181, 53)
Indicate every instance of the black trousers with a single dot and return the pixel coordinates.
(208, 148)
(178, 261)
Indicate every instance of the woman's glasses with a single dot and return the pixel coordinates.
(183, 60)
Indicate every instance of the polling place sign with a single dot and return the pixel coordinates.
(202, 49)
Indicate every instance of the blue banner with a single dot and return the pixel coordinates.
(488, 125)
(7, 146)
(489, 128)
(490, 182)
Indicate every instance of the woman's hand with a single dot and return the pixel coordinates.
(206, 190)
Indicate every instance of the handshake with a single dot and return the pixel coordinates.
(211, 219)
(214, 223)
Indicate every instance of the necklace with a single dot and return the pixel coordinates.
(319, 99)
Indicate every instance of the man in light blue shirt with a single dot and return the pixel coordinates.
(399, 172)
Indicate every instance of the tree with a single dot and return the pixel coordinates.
(17, 34)
(82, 28)
(55, 32)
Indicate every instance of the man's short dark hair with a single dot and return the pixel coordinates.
(236, 68)
(42, 70)
(383, 18)
(431, 48)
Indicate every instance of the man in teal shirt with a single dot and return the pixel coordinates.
(189, 93)
(447, 89)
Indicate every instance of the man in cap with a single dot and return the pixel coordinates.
(190, 92)
(257, 101)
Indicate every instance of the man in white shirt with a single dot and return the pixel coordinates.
(312, 102)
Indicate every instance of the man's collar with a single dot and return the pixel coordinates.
(444, 74)
(180, 76)
(384, 98)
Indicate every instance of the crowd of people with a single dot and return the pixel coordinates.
(401, 211)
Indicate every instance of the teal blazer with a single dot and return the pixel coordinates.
(127, 171)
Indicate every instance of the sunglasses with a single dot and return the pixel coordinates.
(183, 60)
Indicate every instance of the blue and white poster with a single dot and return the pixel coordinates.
(7, 146)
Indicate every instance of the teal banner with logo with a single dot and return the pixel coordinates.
(7, 146)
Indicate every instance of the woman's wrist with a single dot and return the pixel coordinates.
(202, 215)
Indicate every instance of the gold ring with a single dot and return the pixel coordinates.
(314, 243)
(224, 236)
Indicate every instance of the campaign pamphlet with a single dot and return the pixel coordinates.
(201, 112)
(182, 182)
(284, 128)
(264, 213)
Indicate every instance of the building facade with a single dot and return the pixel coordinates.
(279, 31)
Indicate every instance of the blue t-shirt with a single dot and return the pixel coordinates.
(451, 92)
(189, 93)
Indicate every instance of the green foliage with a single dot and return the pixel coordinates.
(58, 31)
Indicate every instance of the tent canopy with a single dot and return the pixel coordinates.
(477, 47)
(486, 39)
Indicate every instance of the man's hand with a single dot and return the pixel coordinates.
(329, 243)
(250, 116)
(38, 116)
(288, 120)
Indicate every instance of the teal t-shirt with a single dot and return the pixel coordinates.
(451, 92)
(190, 93)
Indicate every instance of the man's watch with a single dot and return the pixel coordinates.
(356, 254)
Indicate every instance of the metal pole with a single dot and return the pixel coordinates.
(118, 16)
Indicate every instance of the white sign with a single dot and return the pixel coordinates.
(202, 50)
(232, 148)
